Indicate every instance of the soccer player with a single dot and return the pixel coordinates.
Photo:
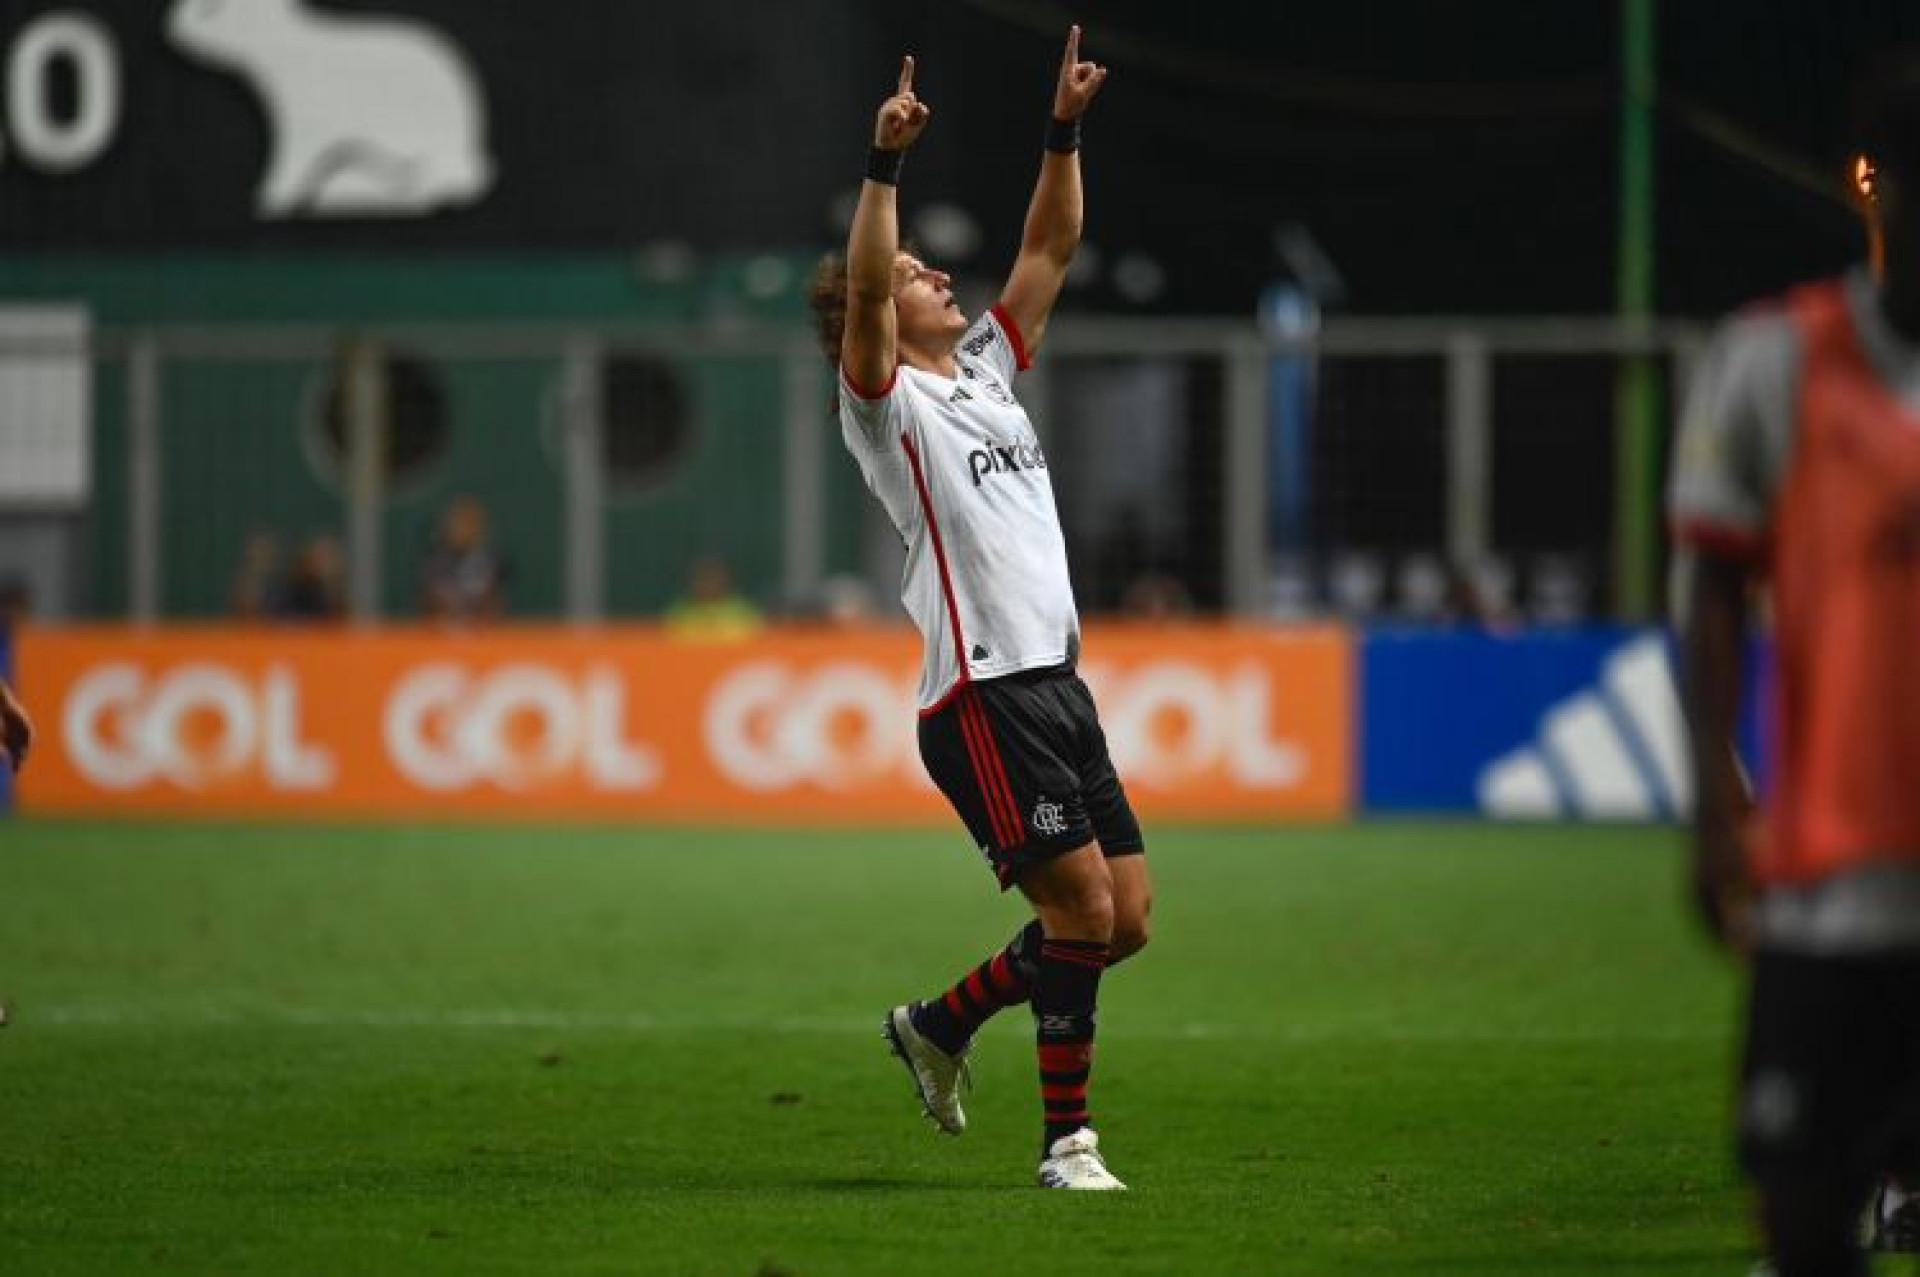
(1799, 459)
(1007, 729)
(16, 729)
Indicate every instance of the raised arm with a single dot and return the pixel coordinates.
(867, 350)
(1053, 218)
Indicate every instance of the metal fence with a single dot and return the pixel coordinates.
(1248, 465)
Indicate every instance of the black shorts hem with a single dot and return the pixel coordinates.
(1007, 866)
(1010, 863)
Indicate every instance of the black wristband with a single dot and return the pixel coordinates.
(1063, 136)
(884, 166)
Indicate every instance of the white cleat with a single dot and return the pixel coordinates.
(1074, 1162)
(936, 1075)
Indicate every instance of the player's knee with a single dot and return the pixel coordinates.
(1130, 936)
(1083, 914)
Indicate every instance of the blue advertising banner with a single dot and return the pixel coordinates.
(1535, 724)
(1539, 724)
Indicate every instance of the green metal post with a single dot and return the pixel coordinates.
(1637, 392)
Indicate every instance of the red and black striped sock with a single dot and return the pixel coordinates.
(1064, 994)
(1002, 981)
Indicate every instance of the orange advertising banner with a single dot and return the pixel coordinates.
(631, 723)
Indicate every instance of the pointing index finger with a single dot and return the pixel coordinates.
(1073, 45)
(906, 74)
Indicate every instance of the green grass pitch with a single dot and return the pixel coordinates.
(1415, 1048)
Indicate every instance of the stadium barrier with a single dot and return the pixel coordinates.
(1277, 469)
(629, 722)
(1206, 722)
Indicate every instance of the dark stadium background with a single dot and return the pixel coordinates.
(1448, 158)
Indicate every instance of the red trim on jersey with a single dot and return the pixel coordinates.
(946, 579)
(982, 773)
(988, 770)
(997, 773)
(946, 698)
(1021, 359)
(1718, 538)
(993, 779)
(862, 392)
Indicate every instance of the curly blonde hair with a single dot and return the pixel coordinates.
(828, 297)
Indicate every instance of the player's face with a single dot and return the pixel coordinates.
(923, 300)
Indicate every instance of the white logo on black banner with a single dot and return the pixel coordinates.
(370, 117)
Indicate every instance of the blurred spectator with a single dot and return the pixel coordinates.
(711, 608)
(1156, 596)
(1481, 593)
(256, 580)
(310, 586)
(1423, 588)
(313, 589)
(1433, 590)
(1290, 589)
(847, 600)
(464, 577)
(1356, 584)
(1559, 591)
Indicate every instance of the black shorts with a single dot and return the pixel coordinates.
(1830, 1080)
(1023, 760)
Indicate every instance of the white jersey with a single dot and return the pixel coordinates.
(960, 471)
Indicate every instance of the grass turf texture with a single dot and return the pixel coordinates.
(1395, 1048)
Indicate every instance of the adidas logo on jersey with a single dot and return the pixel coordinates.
(987, 386)
(1005, 458)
